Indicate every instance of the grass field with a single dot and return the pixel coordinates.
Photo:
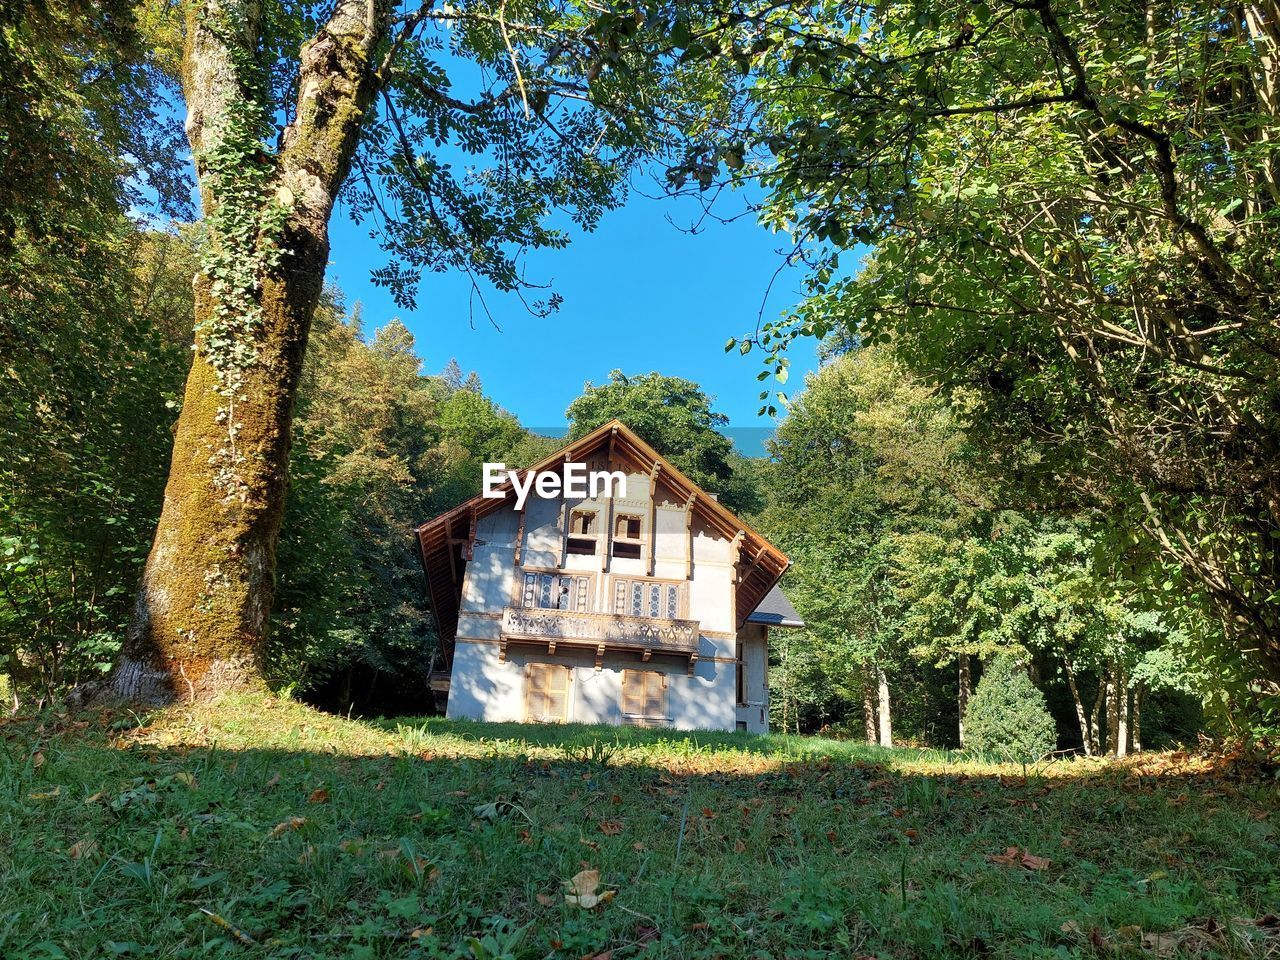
(262, 828)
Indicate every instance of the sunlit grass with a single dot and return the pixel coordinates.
(263, 828)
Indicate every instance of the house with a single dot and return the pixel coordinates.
(648, 605)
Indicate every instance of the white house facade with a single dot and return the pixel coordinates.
(650, 607)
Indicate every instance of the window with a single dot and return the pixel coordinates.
(646, 598)
(546, 692)
(627, 527)
(553, 591)
(644, 696)
(740, 671)
(626, 536)
(582, 532)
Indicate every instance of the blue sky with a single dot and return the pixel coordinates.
(639, 295)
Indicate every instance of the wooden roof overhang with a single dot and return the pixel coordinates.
(445, 542)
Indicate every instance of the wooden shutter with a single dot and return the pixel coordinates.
(633, 692)
(546, 692)
(644, 694)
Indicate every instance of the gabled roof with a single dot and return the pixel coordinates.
(775, 610)
(445, 541)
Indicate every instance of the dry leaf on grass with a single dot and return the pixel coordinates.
(45, 794)
(610, 828)
(1015, 857)
(581, 890)
(293, 823)
(319, 795)
(82, 849)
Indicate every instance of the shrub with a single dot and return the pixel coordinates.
(1007, 716)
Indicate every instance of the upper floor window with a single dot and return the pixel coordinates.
(626, 536)
(553, 591)
(582, 532)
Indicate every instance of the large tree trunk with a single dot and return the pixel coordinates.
(965, 689)
(205, 600)
(1086, 732)
(886, 722)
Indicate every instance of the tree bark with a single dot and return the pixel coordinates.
(1086, 731)
(965, 689)
(886, 723)
(204, 603)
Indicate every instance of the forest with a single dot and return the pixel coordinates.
(1041, 433)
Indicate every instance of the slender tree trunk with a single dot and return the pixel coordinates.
(1113, 710)
(965, 689)
(869, 705)
(1095, 718)
(205, 599)
(1136, 730)
(1086, 732)
(1122, 720)
(886, 723)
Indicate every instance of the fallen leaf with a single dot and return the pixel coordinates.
(739, 846)
(82, 849)
(293, 823)
(319, 795)
(95, 798)
(1015, 857)
(45, 794)
(182, 776)
(37, 759)
(610, 828)
(546, 899)
(581, 890)
(275, 779)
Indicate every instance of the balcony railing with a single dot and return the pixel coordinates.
(603, 631)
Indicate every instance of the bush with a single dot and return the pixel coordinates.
(1007, 716)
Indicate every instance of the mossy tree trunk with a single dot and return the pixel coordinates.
(205, 599)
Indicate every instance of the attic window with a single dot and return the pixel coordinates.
(582, 532)
(626, 536)
(627, 527)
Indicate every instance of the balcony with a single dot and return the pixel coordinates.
(601, 632)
